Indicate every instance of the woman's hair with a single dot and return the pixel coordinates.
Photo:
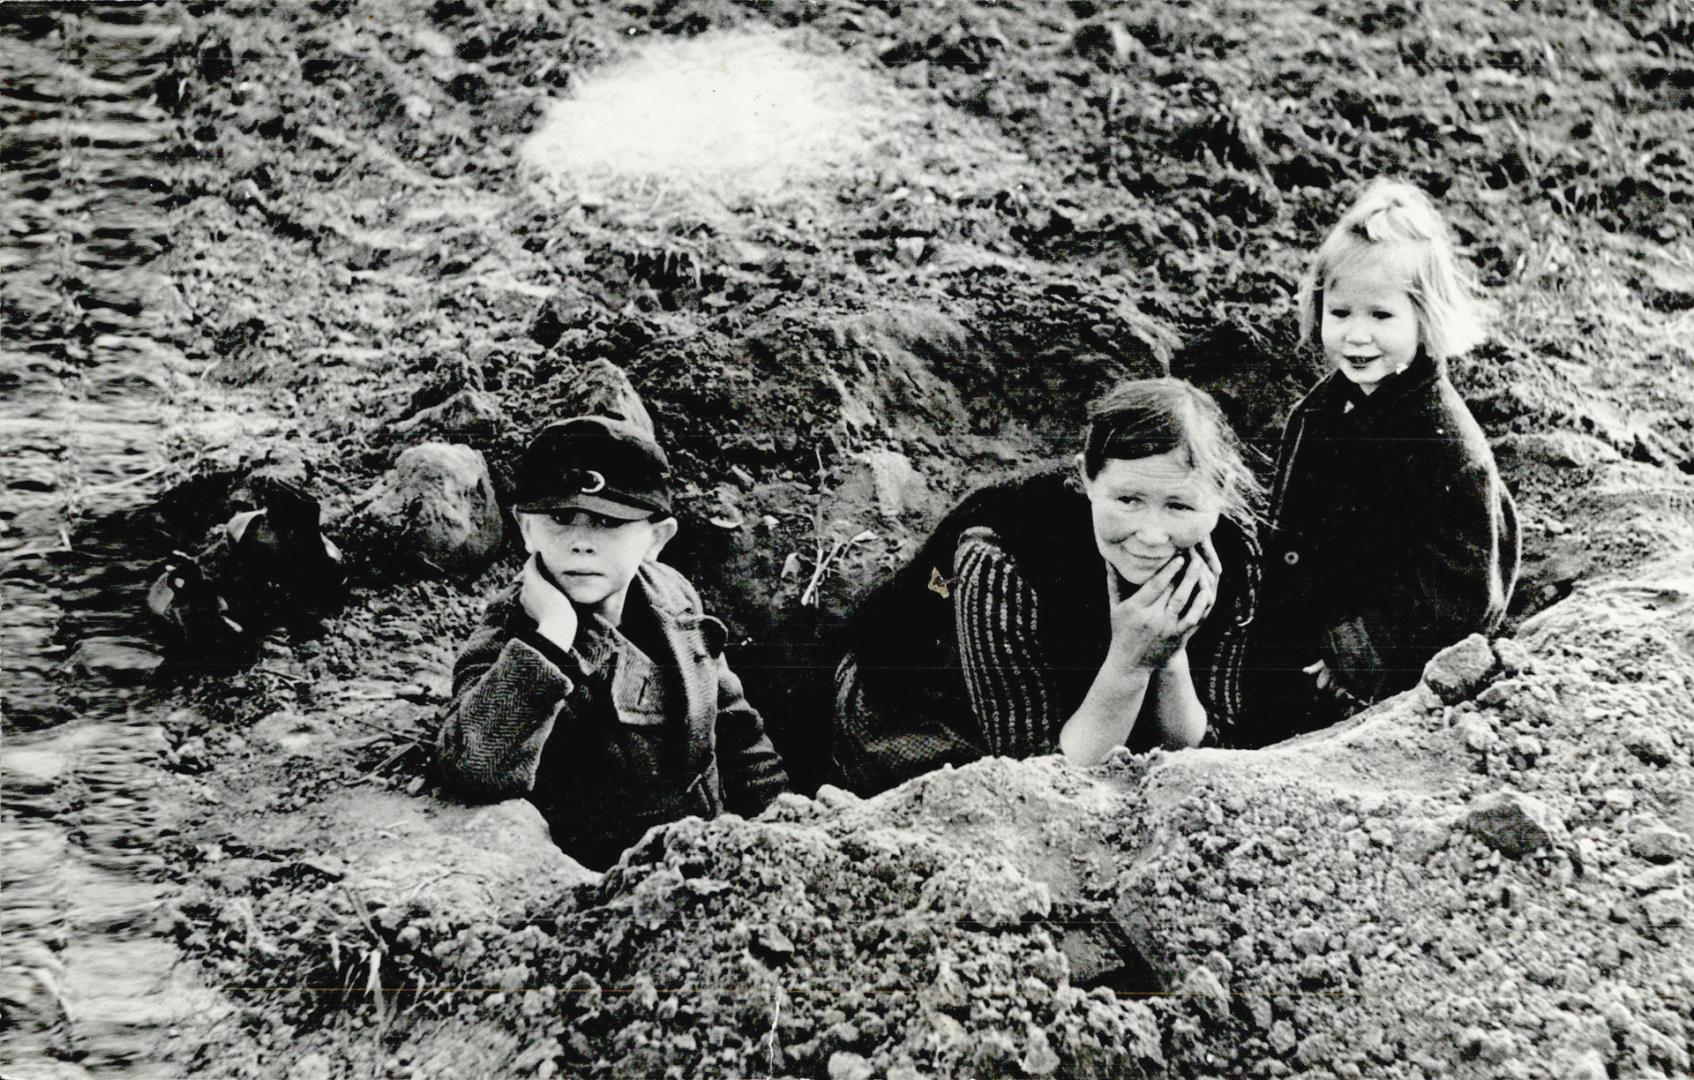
(1148, 417)
(1391, 212)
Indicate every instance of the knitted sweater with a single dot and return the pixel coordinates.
(998, 627)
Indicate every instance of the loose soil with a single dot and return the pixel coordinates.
(857, 258)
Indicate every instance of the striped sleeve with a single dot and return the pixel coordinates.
(997, 618)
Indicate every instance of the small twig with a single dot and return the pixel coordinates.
(809, 598)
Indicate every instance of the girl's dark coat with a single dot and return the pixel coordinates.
(1392, 533)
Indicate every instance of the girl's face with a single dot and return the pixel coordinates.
(1370, 328)
(1146, 510)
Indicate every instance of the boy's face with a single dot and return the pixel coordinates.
(592, 557)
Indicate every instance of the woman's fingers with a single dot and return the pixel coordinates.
(1210, 554)
(1154, 590)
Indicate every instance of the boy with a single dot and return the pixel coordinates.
(595, 686)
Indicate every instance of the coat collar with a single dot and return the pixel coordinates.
(1333, 392)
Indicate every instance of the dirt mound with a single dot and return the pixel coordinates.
(352, 252)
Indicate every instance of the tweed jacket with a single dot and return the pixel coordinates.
(1392, 533)
(606, 739)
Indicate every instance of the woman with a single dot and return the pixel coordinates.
(1079, 608)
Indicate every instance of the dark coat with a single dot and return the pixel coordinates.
(903, 637)
(1392, 533)
(608, 739)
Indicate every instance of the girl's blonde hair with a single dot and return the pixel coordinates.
(1389, 212)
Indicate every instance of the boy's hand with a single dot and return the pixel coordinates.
(551, 609)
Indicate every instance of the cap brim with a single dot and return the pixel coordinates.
(594, 504)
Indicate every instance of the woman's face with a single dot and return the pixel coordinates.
(1147, 509)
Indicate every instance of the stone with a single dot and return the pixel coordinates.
(1650, 744)
(311, 1067)
(1203, 987)
(1039, 1058)
(437, 506)
(122, 660)
(468, 412)
(1514, 658)
(846, 1065)
(1588, 1065)
(1666, 908)
(1657, 843)
(1459, 671)
(1477, 732)
(1656, 878)
(1103, 42)
(1513, 823)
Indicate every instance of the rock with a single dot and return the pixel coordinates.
(470, 412)
(992, 895)
(1203, 987)
(1659, 877)
(1282, 1038)
(846, 1065)
(297, 733)
(1039, 1059)
(1666, 908)
(122, 660)
(437, 506)
(1103, 42)
(1459, 671)
(1588, 1065)
(603, 389)
(310, 1067)
(1650, 744)
(1477, 732)
(1657, 843)
(886, 480)
(1513, 823)
(1514, 658)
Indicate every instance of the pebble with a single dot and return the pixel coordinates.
(310, 1067)
(1203, 987)
(1650, 745)
(1477, 732)
(1588, 1066)
(1039, 1058)
(1619, 798)
(1667, 908)
(846, 1065)
(1282, 1038)
(1658, 844)
(1459, 671)
(1659, 877)
(1513, 823)
(1514, 658)
(122, 660)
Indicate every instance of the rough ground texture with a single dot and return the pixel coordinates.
(293, 241)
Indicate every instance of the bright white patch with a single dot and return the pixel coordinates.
(729, 111)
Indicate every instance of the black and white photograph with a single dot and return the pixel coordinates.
(847, 539)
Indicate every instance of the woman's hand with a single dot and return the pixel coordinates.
(551, 609)
(1152, 624)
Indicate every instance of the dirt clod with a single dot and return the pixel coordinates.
(1513, 823)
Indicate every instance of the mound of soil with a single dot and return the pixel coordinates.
(292, 241)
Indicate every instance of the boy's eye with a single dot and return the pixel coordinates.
(1338, 312)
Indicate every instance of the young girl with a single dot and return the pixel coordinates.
(1392, 535)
